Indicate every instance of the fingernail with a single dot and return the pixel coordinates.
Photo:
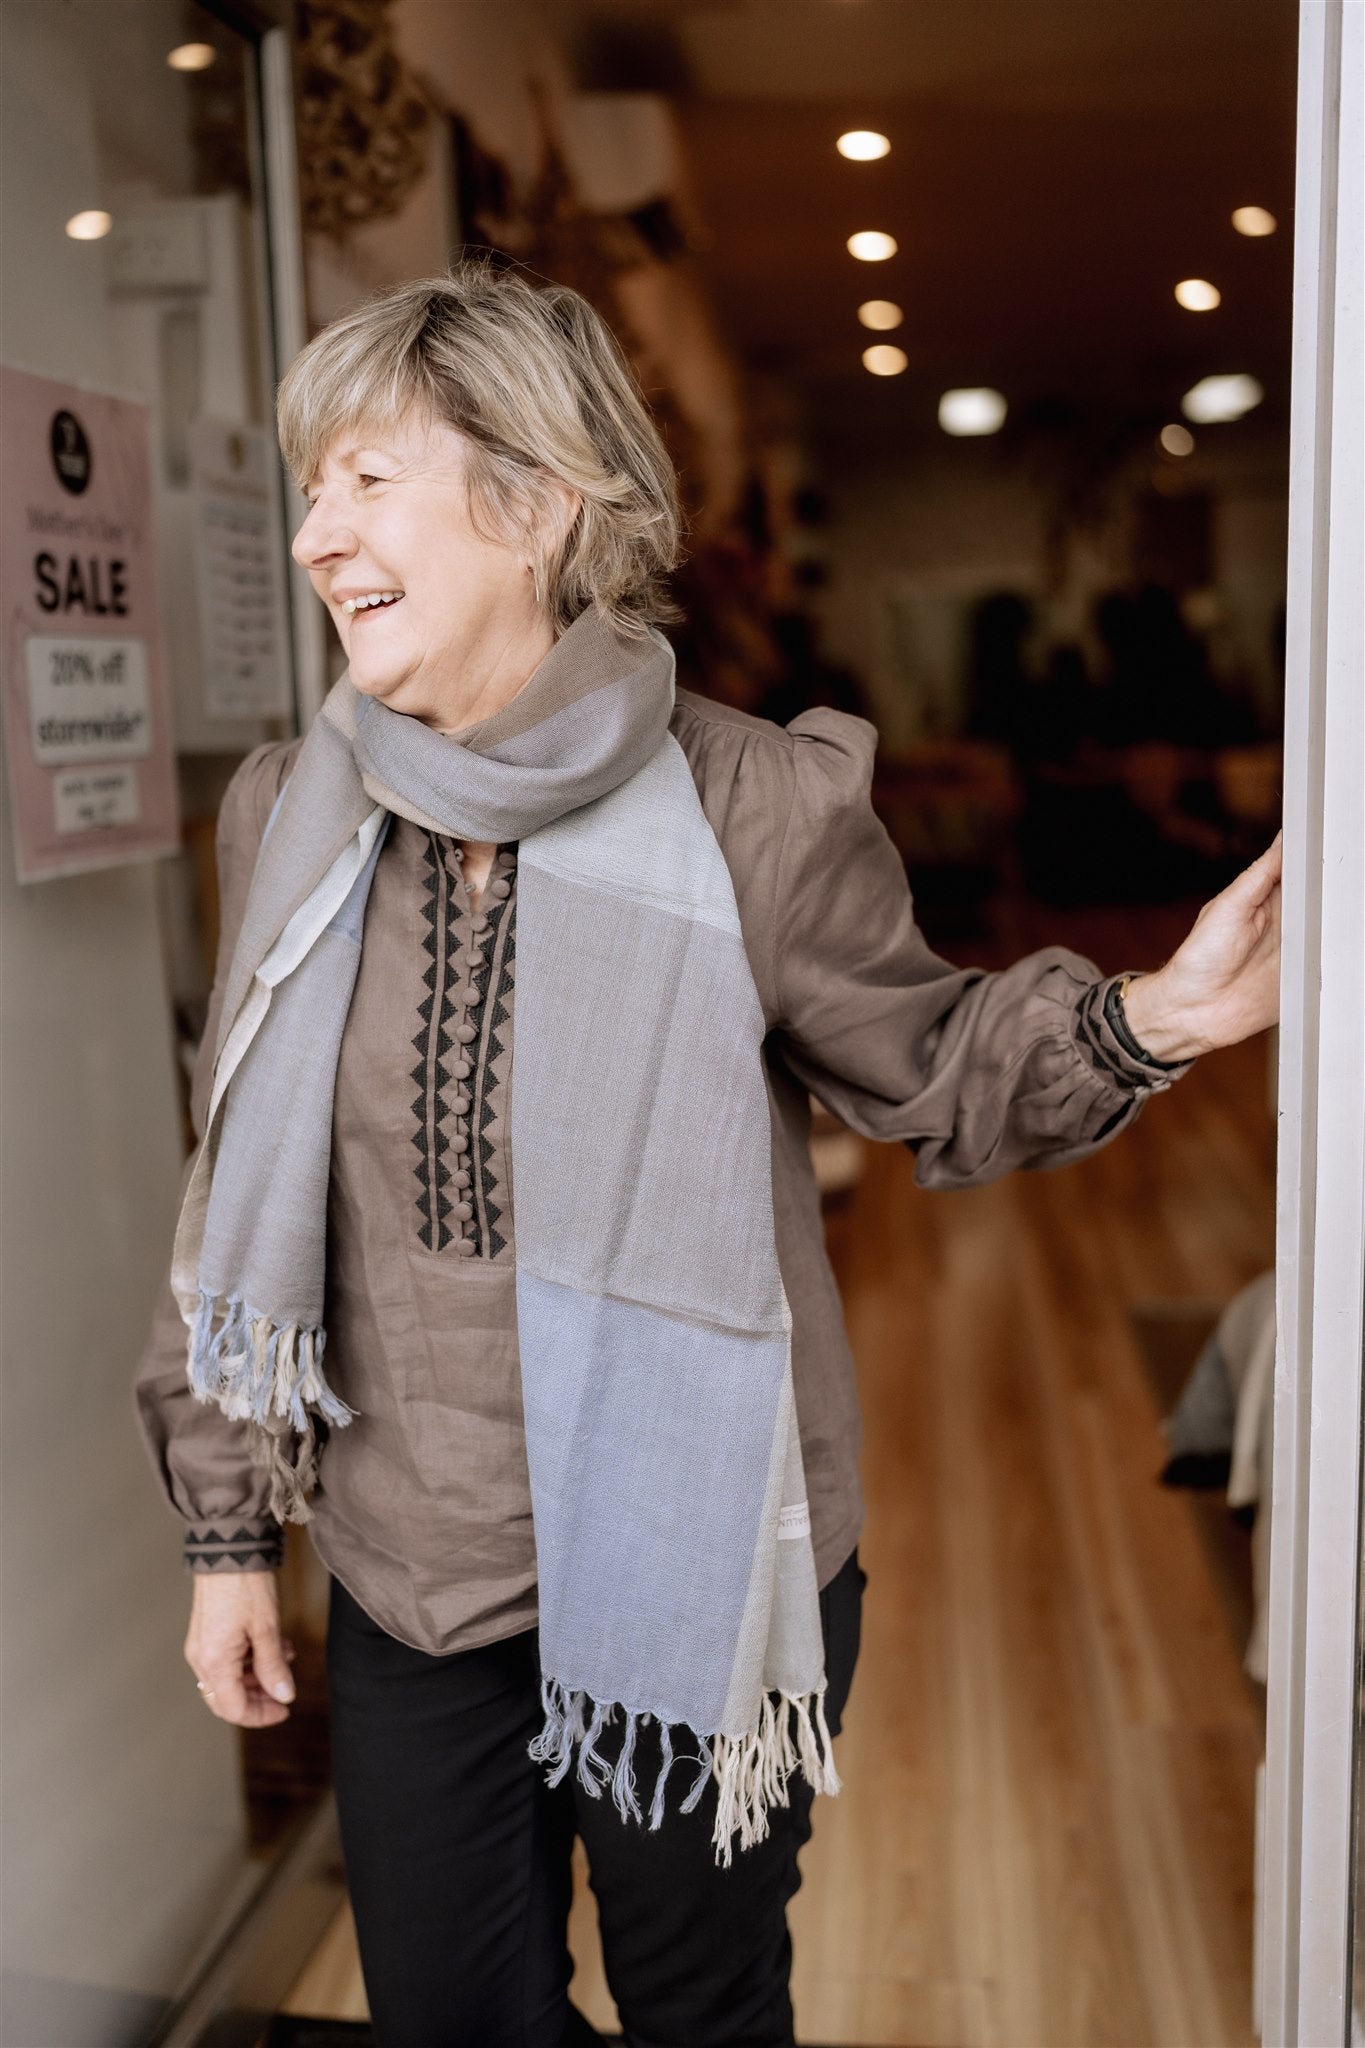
(284, 1690)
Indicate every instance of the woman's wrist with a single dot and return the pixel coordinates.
(1164, 1026)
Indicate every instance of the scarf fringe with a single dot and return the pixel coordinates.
(751, 1770)
(270, 1376)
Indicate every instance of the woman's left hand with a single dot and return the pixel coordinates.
(1223, 983)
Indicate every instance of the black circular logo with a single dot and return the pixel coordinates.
(70, 452)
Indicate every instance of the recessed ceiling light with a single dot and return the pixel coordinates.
(1177, 440)
(880, 314)
(884, 359)
(1197, 295)
(1254, 220)
(191, 56)
(90, 225)
(871, 246)
(863, 145)
(1221, 398)
(974, 410)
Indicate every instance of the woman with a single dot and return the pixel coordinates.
(589, 1492)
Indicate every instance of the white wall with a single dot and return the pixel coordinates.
(123, 1828)
(483, 60)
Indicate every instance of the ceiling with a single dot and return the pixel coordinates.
(1056, 167)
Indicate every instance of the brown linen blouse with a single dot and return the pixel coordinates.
(423, 1507)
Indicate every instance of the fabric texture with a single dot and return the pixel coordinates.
(424, 1508)
(458, 1858)
(676, 1574)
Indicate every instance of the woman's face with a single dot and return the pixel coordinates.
(389, 520)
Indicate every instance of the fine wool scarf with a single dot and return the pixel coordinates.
(676, 1575)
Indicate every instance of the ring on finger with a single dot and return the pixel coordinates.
(207, 1690)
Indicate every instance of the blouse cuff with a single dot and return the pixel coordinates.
(234, 1543)
(1112, 1049)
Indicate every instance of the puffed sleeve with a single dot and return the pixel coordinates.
(201, 1457)
(978, 1073)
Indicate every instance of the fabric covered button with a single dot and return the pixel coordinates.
(465, 1034)
(462, 1180)
(465, 1247)
(459, 1102)
(471, 960)
(463, 1211)
(498, 890)
(480, 925)
(459, 1143)
(461, 1070)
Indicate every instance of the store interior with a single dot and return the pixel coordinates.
(968, 328)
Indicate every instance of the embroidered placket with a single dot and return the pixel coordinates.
(468, 987)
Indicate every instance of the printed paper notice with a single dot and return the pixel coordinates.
(87, 699)
(242, 616)
(87, 717)
(87, 799)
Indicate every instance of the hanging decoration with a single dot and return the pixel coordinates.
(364, 119)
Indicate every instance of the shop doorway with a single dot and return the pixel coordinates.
(1313, 1950)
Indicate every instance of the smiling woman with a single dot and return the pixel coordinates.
(588, 1427)
(547, 409)
(430, 608)
(504, 482)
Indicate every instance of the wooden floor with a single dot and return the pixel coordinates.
(1045, 1838)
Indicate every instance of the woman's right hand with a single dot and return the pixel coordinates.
(235, 1649)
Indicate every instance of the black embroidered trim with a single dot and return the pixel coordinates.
(430, 1043)
(459, 1025)
(490, 1018)
(206, 1550)
(1112, 1122)
(1092, 1042)
(1093, 1012)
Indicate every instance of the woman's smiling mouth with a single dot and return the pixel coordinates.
(373, 600)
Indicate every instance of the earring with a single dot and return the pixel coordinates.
(534, 568)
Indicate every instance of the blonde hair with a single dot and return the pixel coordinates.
(534, 380)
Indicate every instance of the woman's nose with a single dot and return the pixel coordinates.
(322, 539)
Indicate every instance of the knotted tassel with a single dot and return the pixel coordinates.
(656, 1810)
(594, 1771)
(269, 1376)
(707, 1761)
(830, 1782)
(752, 1771)
(623, 1777)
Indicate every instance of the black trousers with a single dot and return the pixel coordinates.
(458, 1859)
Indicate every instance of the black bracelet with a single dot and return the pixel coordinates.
(1116, 1018)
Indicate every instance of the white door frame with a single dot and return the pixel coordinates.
(1313, 1705)
(290, 323)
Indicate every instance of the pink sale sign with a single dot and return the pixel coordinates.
(86, 707)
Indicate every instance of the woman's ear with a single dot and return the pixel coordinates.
(556, 507)
(562, 507)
